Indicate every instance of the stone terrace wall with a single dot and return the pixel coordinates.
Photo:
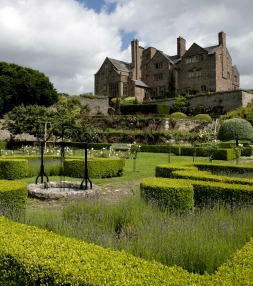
(96, 105)
(230, 100)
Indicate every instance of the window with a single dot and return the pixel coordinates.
(155, 92)
(194, 59)
(162, 91)
(113, 89)
(190, 73)
(124, 88)
(186, 90)
(203, 88)
(194, 73)
(158, 76)
(158, 65)
(198, 72)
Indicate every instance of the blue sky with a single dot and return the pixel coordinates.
(68, 40)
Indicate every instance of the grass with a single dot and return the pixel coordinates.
(200, 241)
(145, 167)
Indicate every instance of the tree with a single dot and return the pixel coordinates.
(172, 85)
(20, 85)
(235, 128)
(181, 104)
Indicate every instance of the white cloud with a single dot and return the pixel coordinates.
(69, 42)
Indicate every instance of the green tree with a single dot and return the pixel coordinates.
(20, 85)
(181, 104)
(235, 128)
(171, 85)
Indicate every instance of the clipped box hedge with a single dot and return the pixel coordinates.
(144, 109)
(207, 176)
(172, 194)
(33, 256)
(166, 170)
(13, 199)
(97, 167)
(13, 169)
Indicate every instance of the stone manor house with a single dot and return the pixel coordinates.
(153, 74)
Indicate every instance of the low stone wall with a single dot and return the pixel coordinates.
(96, 105)
(226, 101)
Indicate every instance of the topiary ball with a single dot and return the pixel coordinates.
(179, 115)
(235, 127)
(203, 117)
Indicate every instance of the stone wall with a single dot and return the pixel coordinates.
(96, 105)
(228, 101)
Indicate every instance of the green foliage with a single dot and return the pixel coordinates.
(178, 115)
(181, 104)
(203, 117)
(144, 109)
(235, 127)
(20, 85)
(13, 169)
(244, 112)
(39, 257)
(13, 199)
(174, 195)
(97, 167)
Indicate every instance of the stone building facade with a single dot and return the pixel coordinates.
(154, 75)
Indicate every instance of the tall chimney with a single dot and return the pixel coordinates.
(135, 59)
(222, 39)
(181, 47)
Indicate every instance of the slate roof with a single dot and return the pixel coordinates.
(140, 83)
(212, 49)
(120, 65)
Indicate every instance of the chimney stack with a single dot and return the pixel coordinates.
(181, 47)
(222, 39)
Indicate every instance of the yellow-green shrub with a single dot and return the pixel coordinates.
(32, 256)
(12, 169)
(172, 194)
(207, 176)
(166, 170)
(97, 167)
(13, 199)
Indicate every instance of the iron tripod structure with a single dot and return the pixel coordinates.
(42, 171)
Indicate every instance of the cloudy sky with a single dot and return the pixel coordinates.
(68, 40)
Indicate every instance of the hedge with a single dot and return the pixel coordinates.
(32, 256)
(207, 176)
(97, 167)
(144, 109)
(174, 195)
(13, 169)
(166, 170)
(13, 199)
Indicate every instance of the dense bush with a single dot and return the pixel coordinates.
(203, 117)
(144, 109)
(178, 114)
(13, 169)
(235, 128)
(97, 167)
(13, 199)
(174, 195)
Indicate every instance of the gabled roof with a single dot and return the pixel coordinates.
(212, 49)
(139, 83)
(120, 65)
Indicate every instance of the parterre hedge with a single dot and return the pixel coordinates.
(97, 167)
(174, 195)
(33, 256)
(13, 199)
(13, 169)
